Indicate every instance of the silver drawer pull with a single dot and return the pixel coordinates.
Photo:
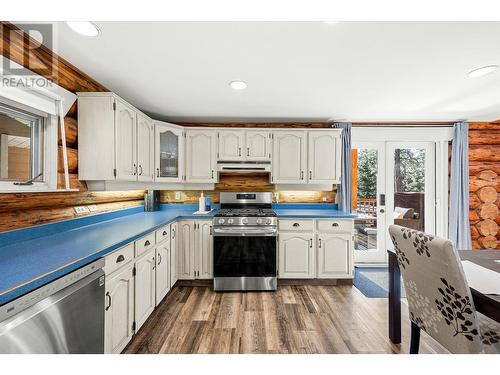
(147, 243)
(335, 224)
(296, 225)
(120, 258)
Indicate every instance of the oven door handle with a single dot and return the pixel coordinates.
(245, 232)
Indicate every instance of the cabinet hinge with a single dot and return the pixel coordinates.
(133, 326)
(114, 106)
(134, 271)
(114, 172)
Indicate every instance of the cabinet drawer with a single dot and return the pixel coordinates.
(296, 225)
(335, 225)
(144, 244)
(162, 234)
(118, 258)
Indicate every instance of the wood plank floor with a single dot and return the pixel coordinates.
(295, 319)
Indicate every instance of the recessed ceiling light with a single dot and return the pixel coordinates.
(83, 27)
(238, 85)
(482, 71)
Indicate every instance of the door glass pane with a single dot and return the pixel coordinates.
(409, 188)
(169, 154)
(365, 199)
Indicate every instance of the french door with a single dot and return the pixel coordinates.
(393, 183)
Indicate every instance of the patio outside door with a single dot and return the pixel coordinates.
(393, 183)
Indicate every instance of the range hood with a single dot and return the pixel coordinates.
(243, 167)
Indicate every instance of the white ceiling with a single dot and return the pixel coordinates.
(357, 71)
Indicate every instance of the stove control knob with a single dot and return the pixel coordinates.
(230, 221)
(259, 221)
(221, 220)
(244, 220)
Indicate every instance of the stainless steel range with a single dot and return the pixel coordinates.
(245, 242)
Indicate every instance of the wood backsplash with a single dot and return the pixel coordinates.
(250, 182)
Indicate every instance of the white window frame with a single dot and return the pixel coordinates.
(49, 152)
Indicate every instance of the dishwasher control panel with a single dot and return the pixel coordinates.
(31, 298)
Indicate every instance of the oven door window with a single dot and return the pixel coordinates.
(244, 256)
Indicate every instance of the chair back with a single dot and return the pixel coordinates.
(439, 299)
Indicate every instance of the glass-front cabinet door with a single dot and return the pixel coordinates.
(169, 152)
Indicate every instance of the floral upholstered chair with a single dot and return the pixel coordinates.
(439, 299)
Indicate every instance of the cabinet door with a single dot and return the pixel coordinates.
(334, 256)
(162, 271)
(169, 153)
(145, 281)
(204, 250)
(119, 310)
(324, 157)
(173, 254)
(145, 148)
(258, 145)
(289, 157)
(125, 142)
(185, 250)
(201, 152)
(231, 145)
(296, 256)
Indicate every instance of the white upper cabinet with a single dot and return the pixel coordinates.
(324, 159)
(201, 154)
(145, 147)
(258, 145)
(169, 152)
(125, 146)
(231, 145)
(289, 157)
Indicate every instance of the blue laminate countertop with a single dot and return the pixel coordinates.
(30, 259)
(310, 211)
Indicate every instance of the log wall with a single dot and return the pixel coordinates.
(484, 185)
(23, 210)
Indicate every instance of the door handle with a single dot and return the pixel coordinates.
(310, 243)
(135, 169)
(173, 233)
(335, 224)
(147, 243)
(301, 175)
(320, 243)
(157, 172)
(310, 175)
(109, 300)
(154, 262)
(248, 151)
(239, 151)
(140, 168)
(212, 173)
(159, 258)
(382, 210)
(296, 225)
(164, 233)
(120, 258)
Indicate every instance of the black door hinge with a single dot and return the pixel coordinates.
(114, 172)
(114, 106)
(134, 271)
(133, 326)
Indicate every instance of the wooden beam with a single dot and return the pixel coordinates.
(16, 44)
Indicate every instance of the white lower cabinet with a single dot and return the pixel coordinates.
(334, 255)
(173, 254)
(145, 287)
(119, 310)
(296, 256)
(314, 248)
(162, 270)
(195, 250)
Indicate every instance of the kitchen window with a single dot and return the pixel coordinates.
(28, 148)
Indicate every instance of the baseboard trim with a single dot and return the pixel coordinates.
(210, 282)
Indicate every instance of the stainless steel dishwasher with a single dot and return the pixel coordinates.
(64, 316)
